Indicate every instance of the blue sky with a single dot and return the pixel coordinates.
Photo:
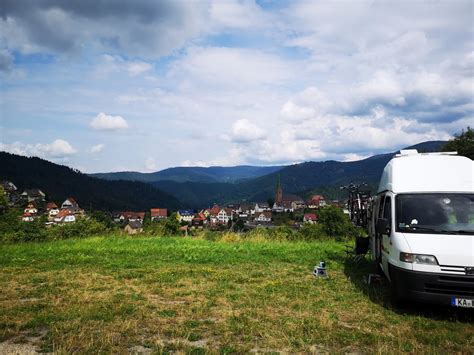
(141, 85)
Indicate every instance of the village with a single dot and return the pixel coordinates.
(284, 209)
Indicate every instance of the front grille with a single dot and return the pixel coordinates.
(452, 285)
(454, 269)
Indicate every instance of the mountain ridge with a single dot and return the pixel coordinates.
(296, 178)
(60, 182)
(193, 174)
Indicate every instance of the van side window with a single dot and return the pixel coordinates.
(380, 206)
(387, 209)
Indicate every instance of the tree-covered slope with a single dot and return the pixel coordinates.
(60, 182)
(325, 177)
(194, 174)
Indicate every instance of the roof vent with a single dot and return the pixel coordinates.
(408, 152)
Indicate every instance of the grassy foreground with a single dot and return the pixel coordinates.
(122, 294)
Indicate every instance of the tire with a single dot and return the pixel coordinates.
(395, 297)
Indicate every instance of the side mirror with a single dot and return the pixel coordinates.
(381, 227)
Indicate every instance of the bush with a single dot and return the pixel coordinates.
(283, 233)
(83, 227)
(312, 232)
(335, 223)
(154, 228)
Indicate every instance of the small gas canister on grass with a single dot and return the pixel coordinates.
(320, 270)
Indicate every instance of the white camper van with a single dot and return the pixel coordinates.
(422, 227)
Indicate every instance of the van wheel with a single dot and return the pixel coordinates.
(395, 297)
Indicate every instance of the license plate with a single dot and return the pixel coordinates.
(462, 302)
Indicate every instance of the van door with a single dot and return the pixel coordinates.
(376, 243)
(385, 237)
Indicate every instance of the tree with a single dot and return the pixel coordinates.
(463, 143)
(3, 200)
(270, 202)
(335, 223)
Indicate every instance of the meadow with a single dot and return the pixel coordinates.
(118, 294)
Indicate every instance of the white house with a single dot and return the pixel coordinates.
(261, 207)
(53, 212)
(185, 216)
(70, 203)
(263, 217)
(65, 216)
(28, 217)
(31, 209)
(224, 216)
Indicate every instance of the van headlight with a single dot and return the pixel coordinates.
(418, 259)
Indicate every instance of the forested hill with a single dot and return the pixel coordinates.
(324, 177)
(194, 174)
(60, 182)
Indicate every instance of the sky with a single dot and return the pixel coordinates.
(114, 85)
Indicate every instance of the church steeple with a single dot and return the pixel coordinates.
(278, 192)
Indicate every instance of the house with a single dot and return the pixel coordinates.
(31, 209)
(213, 219)
(261, 207)
(65, 216)
(214, 210)
(292, 203)
(224, 216)
(158, 214)
(52, 209)
(246, 209)
(33, 195)
(263, 217)
(129, 216)
(199, 220)
(310, 218)
(8, 186)
(185, 216)
(134, 227)
(70, 204)
(11, 192)
(278, 208)
(28, 217)
(287, 206)
(316, 201)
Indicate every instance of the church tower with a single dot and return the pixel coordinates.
(278, 192)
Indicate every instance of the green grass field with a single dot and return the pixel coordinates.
(124, 294)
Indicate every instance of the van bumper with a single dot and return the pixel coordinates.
(431, 287)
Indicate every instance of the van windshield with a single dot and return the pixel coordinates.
(435, 213)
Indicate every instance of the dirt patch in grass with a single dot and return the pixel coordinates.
(24, 342)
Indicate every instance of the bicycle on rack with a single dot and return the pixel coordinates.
(358, 203)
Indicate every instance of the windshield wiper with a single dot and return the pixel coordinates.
(419, 228)
(441, 231)
(463, 231)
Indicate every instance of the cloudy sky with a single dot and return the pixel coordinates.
(143, 85)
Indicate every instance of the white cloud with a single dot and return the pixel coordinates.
(150, 164)
(59, 148)
(232, 67)
(244, 16)
(384, 86)
(108, 123)
(292, 111)
(97, 148)
(137, 68)
(244, 131)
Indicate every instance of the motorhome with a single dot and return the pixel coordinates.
(422, 227)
